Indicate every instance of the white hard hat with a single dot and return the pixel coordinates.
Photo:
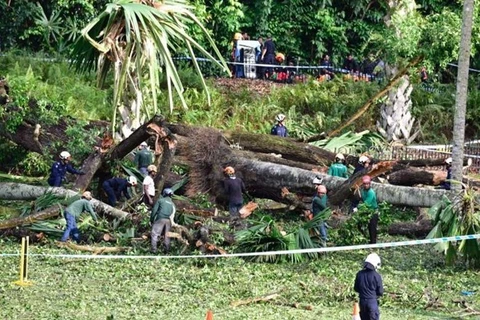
(340, 156)
(132, 180)
(363, 159)
(65, 155)
(374, 260)
(448, 160)
(280, 117)
(317, 180)
(143, 144)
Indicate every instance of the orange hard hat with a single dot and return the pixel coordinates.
(229, 170)
(280, 57)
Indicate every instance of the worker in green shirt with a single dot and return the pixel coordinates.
(369, 198)
(161, 219)
(143, 158)
(319, 204)
(338, 168)
(72, 212)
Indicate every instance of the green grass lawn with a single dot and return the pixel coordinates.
(186, 289)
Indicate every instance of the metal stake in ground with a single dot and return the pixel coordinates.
(23, 281)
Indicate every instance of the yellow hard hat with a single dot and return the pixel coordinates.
(151, 168)
(237, 36)
(280, 57)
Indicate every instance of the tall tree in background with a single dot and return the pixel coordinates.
(135, 40)
(462, 91)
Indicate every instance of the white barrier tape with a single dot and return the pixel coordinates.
(268, 253)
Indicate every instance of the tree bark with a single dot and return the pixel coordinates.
(19, 191)
(411, 177)
(461, 95)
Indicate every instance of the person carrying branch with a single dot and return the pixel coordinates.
(162, 219)
(369, 285)
(234, 189)
(60, 169)
(369, 198)
(72, 212)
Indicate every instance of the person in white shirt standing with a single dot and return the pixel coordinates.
(149, 185)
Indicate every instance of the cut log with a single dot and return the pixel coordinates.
(19, 191)
(411, 177)
(94, 250)
(419, 229)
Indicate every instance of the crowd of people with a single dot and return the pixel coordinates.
(284, 69)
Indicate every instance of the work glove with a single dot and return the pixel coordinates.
(355, 210)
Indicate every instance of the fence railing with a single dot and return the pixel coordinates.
(249, 69)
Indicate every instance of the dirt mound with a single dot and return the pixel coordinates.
(261, 87)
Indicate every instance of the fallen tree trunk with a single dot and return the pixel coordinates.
(411, 177)
(20, 221)
(19, 191)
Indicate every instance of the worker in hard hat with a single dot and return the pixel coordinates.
(143, 158)
(72, 212)
(369, 199)
(149, 185)
(115, 187)
(234, 189)
(162, 219)
(369, 285)
(363, 164)
(319, 203)
(60, 168)
(237, 56)
(338, 168)
(447, 183)
(279, 129)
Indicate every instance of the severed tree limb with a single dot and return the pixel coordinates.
(20, 221)
(377, 96)
(265, 298)
(94, 250)
(19, 191)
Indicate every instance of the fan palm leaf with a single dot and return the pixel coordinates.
(137, 39)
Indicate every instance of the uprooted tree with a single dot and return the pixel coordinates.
(276, 168)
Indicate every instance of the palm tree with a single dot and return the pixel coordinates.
(461, 95)
(136, 40)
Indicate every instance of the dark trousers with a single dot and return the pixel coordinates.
(369, 309)
(372, 228)
(234, 208)
(112, 198)
(71, 229)
(269, 59)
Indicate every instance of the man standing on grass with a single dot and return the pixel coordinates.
(368, 284)
(72, 212)
(161, 219)
(143, 158)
